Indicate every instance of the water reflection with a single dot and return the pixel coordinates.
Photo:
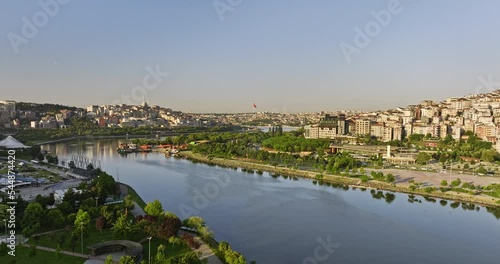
(258, 213)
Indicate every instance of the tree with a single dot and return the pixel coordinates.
(205, 233)
(109, 260)
(456, 183)
(100, 223)
(72, 165)
(390, 178)
(154, 208)
(160, 254)
(40, 157)
(194, 222)
(423, 158)
(169, 227)
(122, 227)
(34, 151)
(127, 260)
(488, 155)
(105, 185)
(175, 241)
(33, 216)
(81, 221)
(444, 183)
(32, 251)
(128, 202)
(3, 249)
(56, 218)
(58, 251)
(3, 212)
(481, 170)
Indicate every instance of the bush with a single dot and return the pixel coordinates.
(32, 251)
(364, 178)
(390, 178)
(319, 176)
(429, 189)
(3, 249)
(466, 185)
(190, 241)
(481, 170)
(456, 183)
(444, 183)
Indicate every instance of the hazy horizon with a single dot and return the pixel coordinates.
(284, 56)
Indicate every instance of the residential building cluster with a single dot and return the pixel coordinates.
(104, 116)
(479, 114)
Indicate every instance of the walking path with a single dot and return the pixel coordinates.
(69, 253)
(137, 209)
(204, 251)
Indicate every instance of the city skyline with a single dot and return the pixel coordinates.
(284, 57)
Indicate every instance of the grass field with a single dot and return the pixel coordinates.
(93, 237)
(136, 197)
(169, 252)
(41, 257)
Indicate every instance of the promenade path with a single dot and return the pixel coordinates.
(137, 209)
(204, 251)
(69, 253)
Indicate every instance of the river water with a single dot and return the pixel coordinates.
(277, 220)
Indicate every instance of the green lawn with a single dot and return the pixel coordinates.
(41, 257)
(169, 252)
(136, 197)
(93, 237)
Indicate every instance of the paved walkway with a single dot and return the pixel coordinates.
(69, 253)
(204, 251)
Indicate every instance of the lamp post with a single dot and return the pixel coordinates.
(451, 169)
(5, 223)
(149, 251)
(81, 232)
(96, 199)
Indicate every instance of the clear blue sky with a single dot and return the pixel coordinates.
(284, 55)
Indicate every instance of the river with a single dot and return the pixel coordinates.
(277, 220)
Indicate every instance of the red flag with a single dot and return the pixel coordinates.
(254, 105)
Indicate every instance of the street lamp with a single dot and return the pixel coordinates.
(5, 223)
(81, 231)
(149, 251)
(96, 199)
(451, 169)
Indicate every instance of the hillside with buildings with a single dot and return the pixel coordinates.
(455, 116)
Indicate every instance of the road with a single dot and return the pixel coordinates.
(404, 176)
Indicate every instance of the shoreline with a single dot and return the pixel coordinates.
(336, 179)
(88, 137)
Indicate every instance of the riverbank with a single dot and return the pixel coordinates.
(91, 138)
(205, 251)
(345, 180)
